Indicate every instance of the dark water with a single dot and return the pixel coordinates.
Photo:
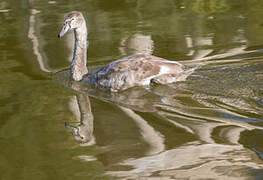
(208, 127)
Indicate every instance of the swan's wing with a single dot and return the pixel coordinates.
(135, 70)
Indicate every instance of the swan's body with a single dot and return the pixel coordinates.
(135, 70)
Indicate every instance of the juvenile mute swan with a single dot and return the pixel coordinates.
(135, 70)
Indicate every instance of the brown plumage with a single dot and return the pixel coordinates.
(135, 70)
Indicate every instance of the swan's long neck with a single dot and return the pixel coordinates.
(79, 61)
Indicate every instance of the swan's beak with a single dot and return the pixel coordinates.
(75, 132)
(64, 30)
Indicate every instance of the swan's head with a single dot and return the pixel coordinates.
(82, 134)
(72, 20)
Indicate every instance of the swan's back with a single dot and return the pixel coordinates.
(135, 70)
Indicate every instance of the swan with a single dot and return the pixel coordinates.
(135, 70)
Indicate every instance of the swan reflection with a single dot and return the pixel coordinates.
(81, 108)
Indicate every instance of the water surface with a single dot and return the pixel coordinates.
(207, 127)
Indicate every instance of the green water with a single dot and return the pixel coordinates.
(207, 127)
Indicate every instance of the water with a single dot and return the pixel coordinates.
(208, 127)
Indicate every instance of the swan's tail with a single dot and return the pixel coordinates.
(185, 74)
(171, 78)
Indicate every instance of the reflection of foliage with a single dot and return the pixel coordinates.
(3, 16)
(4, 5)
(210, 6)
